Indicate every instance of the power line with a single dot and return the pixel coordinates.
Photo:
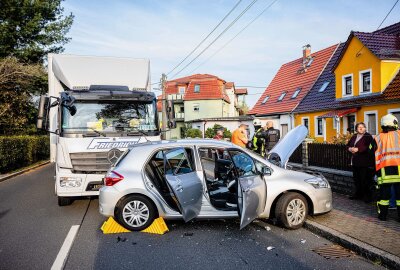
(244, 28)
(250, 86)
(226, 29)
(384, 19)
(201, 42)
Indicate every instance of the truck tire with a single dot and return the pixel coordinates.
(135, 212)
(64, 201)
(291, 210)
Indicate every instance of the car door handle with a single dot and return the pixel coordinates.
(179, 188)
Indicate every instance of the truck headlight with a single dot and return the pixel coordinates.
(70, 182)
(318, 182)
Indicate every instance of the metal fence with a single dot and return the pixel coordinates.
(334, 156)
(297, 156)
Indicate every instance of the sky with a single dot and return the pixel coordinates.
(167, 31)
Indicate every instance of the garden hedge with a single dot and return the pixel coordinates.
(21, 151)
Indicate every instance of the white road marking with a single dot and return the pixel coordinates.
(66, 247)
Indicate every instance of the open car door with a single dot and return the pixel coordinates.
(252, 189)
(184, 183)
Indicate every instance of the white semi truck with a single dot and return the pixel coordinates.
(95, 109)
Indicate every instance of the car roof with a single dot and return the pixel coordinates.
(184, 142)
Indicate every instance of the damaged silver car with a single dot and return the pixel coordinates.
(204, 178)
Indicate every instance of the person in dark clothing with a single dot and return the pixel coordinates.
(363, 163)
(272, 136)
(259, 141)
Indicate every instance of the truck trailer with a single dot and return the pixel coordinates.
(96, 108)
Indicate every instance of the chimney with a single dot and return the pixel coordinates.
(306, 52)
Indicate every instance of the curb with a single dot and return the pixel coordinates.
(11, 175)
(367, 251)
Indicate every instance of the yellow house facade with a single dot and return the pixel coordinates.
(361, 83)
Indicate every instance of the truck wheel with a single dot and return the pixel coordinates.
(291, 210)
(64, 201)
(135, 212)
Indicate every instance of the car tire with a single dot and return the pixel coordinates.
(291, 210)
(64, 201)
(135, 212)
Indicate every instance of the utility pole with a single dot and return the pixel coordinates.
(163, 82)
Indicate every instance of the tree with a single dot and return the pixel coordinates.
(17, 81)
(29, 30)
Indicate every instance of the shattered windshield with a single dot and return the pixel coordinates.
(111, 116)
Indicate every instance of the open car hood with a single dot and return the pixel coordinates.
(280, 154)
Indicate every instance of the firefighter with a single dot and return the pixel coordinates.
(387, 163)
(259, 138)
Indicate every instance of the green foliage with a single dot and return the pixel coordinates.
(194, 133)
(18, 84)
(21, 151)
(32, 29)
(210, 132)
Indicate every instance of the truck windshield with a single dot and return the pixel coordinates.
(111, 116)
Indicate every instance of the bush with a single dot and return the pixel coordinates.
(210, 132)
(194, 133)
(20, 151)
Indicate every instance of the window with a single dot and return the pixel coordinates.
(182, 90)
(196, 107)
(177, 162)
(319, 126)
(370, 119)
(197, 88)
(285, 129)
(324, 86)
(282, 96)
(365, 81)
(243, 163)
(396, 113)
(351, 120)
(296, 93)
(265, 100)
(305, 122)
(347, 85)
(181, 109)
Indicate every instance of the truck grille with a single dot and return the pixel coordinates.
(90, 163)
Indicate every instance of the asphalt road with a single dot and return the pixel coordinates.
(33, 228)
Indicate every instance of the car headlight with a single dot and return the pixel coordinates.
(70, 182)
(318, 182)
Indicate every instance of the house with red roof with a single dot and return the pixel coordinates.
(203, 96)
(360, 84)
(289, 86)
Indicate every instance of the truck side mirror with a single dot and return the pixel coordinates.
(43, 112)
(171, 114)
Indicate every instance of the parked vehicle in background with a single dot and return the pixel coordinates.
(203, 178)
(95, 109)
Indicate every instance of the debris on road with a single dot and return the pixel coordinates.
(270, 248)
(303, 241)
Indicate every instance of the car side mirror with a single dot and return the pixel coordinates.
(266, 171)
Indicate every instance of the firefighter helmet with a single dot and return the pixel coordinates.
(389, 120)
(257, 122)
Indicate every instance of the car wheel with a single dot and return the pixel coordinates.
(135, 212)
(291, 210)
(64, 201)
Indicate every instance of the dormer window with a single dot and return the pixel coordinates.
(347, 85)
(296, 93)
(282, 96)
(265, 100)
(324, 86)
(365, 81)
(197, 88)
(181, 90)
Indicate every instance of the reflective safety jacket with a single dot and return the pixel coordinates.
(387, 157)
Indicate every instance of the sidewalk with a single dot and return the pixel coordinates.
(356, 220)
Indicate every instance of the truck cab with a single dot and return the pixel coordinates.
(95, 109)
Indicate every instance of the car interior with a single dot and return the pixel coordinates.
(219, 173)
(176, 162)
